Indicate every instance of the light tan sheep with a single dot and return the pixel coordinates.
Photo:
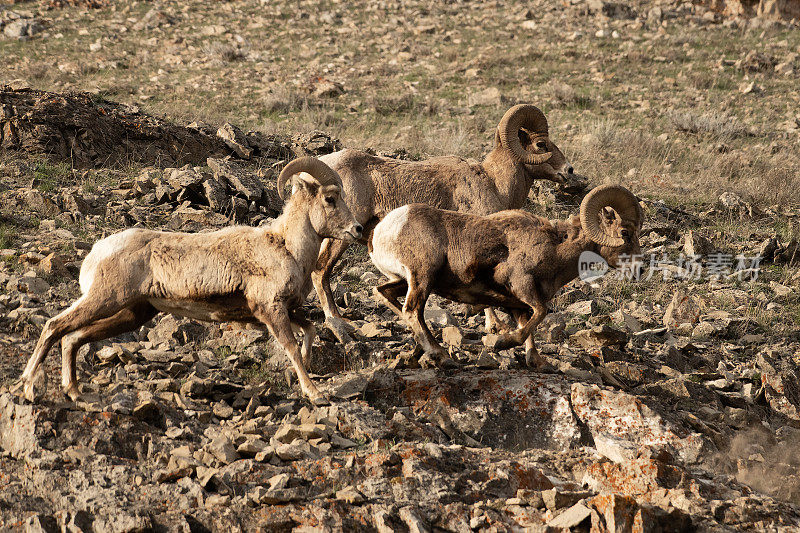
(239, 274)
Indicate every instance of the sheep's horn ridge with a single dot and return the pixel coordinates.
(616, 197)
(321, 172)
(531, 118)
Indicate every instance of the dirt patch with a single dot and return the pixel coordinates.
(91, 132)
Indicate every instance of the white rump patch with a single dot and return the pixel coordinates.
(332, 159)
(384, 238)
(101, 250)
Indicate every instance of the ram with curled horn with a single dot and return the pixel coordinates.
(511, 259)
(242, 274)
(375, 185)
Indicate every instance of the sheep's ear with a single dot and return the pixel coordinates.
(524, 138)
(311, 185)
(609, 215)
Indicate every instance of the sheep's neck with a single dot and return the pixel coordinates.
(567, 256)
(302, 240)
(509, 178)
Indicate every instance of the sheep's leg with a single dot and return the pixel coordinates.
(532, 358)
(520, 335)
(329, 255)
(494, 323)
(305, 326)
(126, 320)
(527, 292)
(83, 312)
(280, 326)
(414, 315)
(388, 293)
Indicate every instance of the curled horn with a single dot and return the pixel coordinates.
(531, 118)
(321, 172)
(620, 200)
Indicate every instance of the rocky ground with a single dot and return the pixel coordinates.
(676, 404)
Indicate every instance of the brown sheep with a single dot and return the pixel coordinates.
(375, 185)
(511, 259)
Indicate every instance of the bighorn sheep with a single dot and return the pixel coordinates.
(240, 273)
(375, 185)
(511, 259)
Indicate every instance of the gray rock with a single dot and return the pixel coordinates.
(252, 446)
(599, 337)
(452, 335)
(490, 96)
(235, 139)
(570, 518)
(28, 284)
(704, 330)
(624, 417)
(122, 522)
(40, 202)
(22, 28)
(242, 181)
(296, 450)
(278, 496)
(290, 432)
(413, 520)
(352, 387)
(440, 317)
(614, 448)
(696, 244)
(222, 448)
(372, 330)
(174, 330)
(18, 426)
(216, 195)
(41, 523)
(350, 495)
(222, 410)
(555, 499)
(781, 380)
(683, 308)
(584, 307)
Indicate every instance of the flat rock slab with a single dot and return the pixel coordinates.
(628, 420)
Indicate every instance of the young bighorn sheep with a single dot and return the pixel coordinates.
(375, 185)
(511, 259)
(240, 273)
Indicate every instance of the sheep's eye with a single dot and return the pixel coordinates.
(330, 199)
(541, 145)
(625, 233)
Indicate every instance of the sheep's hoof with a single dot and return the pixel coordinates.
(447, 363)
(18, 388)
(30, 392)
(340, 329)
(319, 401)
(37, 382)
(72, 392)
(539, 364)
(438, 360)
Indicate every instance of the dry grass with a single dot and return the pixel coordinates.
(720, 127)
(658, 110)
(225, 52)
